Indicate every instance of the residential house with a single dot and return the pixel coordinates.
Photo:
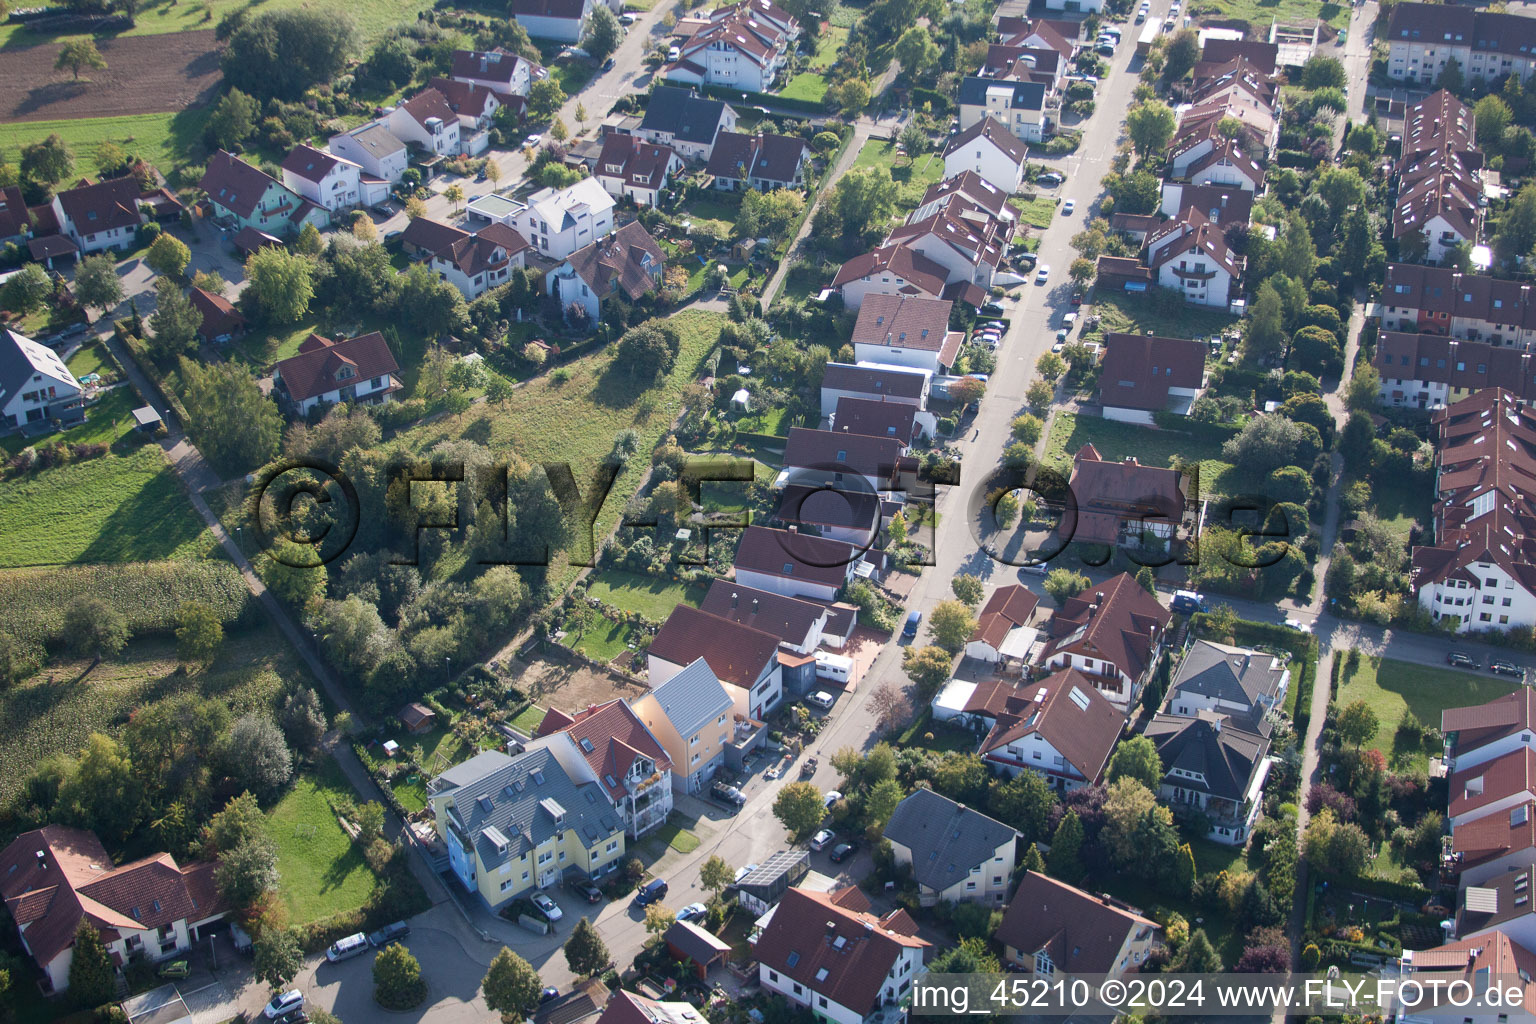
(478, 262)
(621, 754)
(1480, 571)
(627, 1008)
(686, 122)
(54, 878)
(1502, 904)
(628, 263)
(894, 269)
(1482, 733)
(1209, 158)
(325, 180)
(744, 660)
(499, 70)
(1062, 728)
(1228, 680)
(1213, 764)
(852, 516)
(1050, 926)
(1112, 632)
(956, 853)
(1439, 177)
(1223, 205)
(1190, 255)
(1495, 786)
(221, 320)
(247, 197)
(798, 625)
(373, 148)
(15, 218)
(100, 215)
(1006, 62)
(1142, 374)
(1485, 849)
(1125, 504)
(989, 150)
(969, 245)
(841, 459)
(761, 162)
(513, 825)
(631, 168)
(427, 120)
(565, 21)
(691, 715)
(1431, 371)
(1467, 965)
(736, 48)
(877, 383)
(423, 238)
(1469, 307)
(1020, 106)
(827, 953)
(794, 564)
(1262, 55)
(1003, 635)
(36, 388)
(970, 193)
(560, 221)
(1075, 6)
(1423, 38)
(326, 372)
(475, 106)
(876, 419)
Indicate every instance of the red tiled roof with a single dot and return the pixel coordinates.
(635, 162)
(1138, 370)
(1115, 621)
(735, 653)
(1109, 493)
(796, 556)
(773, 158)
(825, 452)
(1495, 835)
(109, 204)
(922, 275)
(427, 104)
(1481, 724)
(791, 619)
(469, 100)
(1067, 711)
(15, 219)
(1081, 933)
(1008, 606)
(313, 372)
(309, 163)
(629, 256)
(236, 185)
(903, 321)
(874, 419)
(219, 314)
(429, 235)
(995, 132)
(610, 736)
(1492, 781)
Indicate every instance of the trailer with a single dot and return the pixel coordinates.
(1148, 37)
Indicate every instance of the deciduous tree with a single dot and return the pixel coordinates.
(96, 283)
(1136, 758)
(604, 33)
(80, 53)
(27, 289)
(799, 808)
(174, 324)
(92, 978)
(199, 633)
(511, 987)
(277, 957)
(951, 625)
(1150, 125)
(233, 423)
(281, 282)
(585, 953)
(168, 256)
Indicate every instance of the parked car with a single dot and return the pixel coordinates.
(1069, 321)
(808, 767)
(1104, 50)
(1034, 569)
(832, 797)
(608, 64)
(1050, 179)
(628, 18)
(175, 969)
(1141, 16)
(287, 1002)
(1061, 340)
(991, 309)
(673, 53)
(650, 892)
(347, 948)
(1505, 668)
(532, 141)
(1188, 601)
(388, 934)
(909, 631)
(691, 911)
(1067, 207)
(1299, 625)
(548, 993)
(822, 699)
(841, 852)
(727, 794)
(586, 889)
(1043, 274)
(294, 1017)
(822, 839)
(548, 907)
(1460, 659)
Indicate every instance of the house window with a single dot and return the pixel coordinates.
(773, 975)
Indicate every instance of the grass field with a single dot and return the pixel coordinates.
(912, 180)
(808, 85)
(1134, 314)
(158, 17)
(1259, 13)
(1390, 687)
(323, 871)
(54, 711)
(828, 43)
(675, 836)
(107, 421)
(1402, 501)
(1037, 213)
(651, 596)
(165, 140)
(528, 719)
(603, 640)
(118, 508)
(1115, 440)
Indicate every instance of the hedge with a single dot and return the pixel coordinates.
(765, 99)
(1194, 429)
(941, 102)
(1416, 895)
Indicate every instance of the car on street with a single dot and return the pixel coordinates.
(548, 907)
(586, 889)
(532, 141)
(832, 797)
(1043, 274)
(1067, 207)
(691, 911)
(909, 630)
(822, 699)
(481, 176)
(628, 18)
(1169, 24)
(727, 794)
(650, 892)
(1141, 16)
(608, 64)
(821, 839)
(286, 1002)
(1460, 659)
(841, 852)
(393, 235)
(991, 309)
(1050, 179)
(1299, 625)
(1061, 340)
(1069, 321)
(1505, 668)
(388, 934)
(294, 1017)
(1077, 298)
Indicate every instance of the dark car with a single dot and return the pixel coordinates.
(1105, 50)
(991, 309)
(727, 794)
(547, 994)
(389, 933)
(608, 64)
(842, 851)
(1505, 668)
(650, 892)
(586, 889)
(1461, 659)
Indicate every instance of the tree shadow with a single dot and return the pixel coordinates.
(150, 524)
(41, 96)
(617, 388)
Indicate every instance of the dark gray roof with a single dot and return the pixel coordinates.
(684, 114)
(773, 876)
(519, 799)
(1211, 745)
(692, 698)
(22, 359)
(1026, 95)
(946, 839)
(1233, 674)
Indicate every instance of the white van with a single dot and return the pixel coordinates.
(347, 948)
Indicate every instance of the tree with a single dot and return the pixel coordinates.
(1298, 254)
(1126, 805)
(1066, 844)
(648, 350)
(1183, 873)
(209, 281)
(545, 97)
(1027, 428)
(968, 589)
(247, 872)
(849, 97)
(889, 706)
(303, 720)
(1022, 802)
(859, 206)
(966, 391)
(369, 819)
(1039, 395)
(1181, 54)
(101, 792)
(881, 802)
(79, 53)
(1492, 116)
(92, 978)
(199, 633)
(232, 422)
(1196, 956)
(604, 33)
(397, 981)
(96, 283)
(799, 808)
(256, 755)
(1363, 393)
(511, 987)
(94, 629)
(281, 54)
(1270, 441)
(240, 822)
(951, 624)
(15, 663)
(917, 52)
(1147, 579)
(309, 243)
(1150, 125)
(47, 162)
(715, 874)
(415, 208)
(1136, 758)
(1082, 270)
(1322, 72)
(1050, 366)
(278, 957)
(27, 290)
(174, 324)
(1062, 584)
(231, 120)
(281, 282)
(1266, 325)
(453, 193)
(1341, 188)
(585, 953)
(1357, 723)
(658, 918)
(928, 667)
(168, 256)
(1342, 848)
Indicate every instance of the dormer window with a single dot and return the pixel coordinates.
(345, 373)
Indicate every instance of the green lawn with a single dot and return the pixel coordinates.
(323, 872)
(1134, 314)
(651, 596)
(90, 358)
(107, 421)
(165, 140)
(157, 17)
(528, 719)
(118, 508)
(1115, 441)
(1390, 687)
(1259, 13)
(677, 837)
(572, 77)
(911, 177)
(1402, 501)
(808, 85)
(603, 641)
(828, 43)
(1037, 212)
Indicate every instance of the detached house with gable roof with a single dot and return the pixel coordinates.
(475, 263)
(327, 372)
(828, 953)
(1112, 632)
(1125, 504)
(956, 853)
(794, 564)
(1141, 374)
(620, 751)
(564, 21)
(1481, 733)
(741, 46)
(1228, 680)
(36, 388)
(893, 269)
(1061, 728)
(692, 715)
(762, 162)
(631, 168)
(103, 215)
(743, 658)
(374, 149)
(1050, 926)
(1216, 764)
(427, 120)
(248, 198)
(329, 181)
(560, 221)
(55, 877)
(1002, 631)
(498, 70)
(627, 263)
(1190, 256)
(685, 121)
(988, 149)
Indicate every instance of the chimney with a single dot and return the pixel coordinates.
(831, 927)
(42, 860)
(754, 606)
(735, 598)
